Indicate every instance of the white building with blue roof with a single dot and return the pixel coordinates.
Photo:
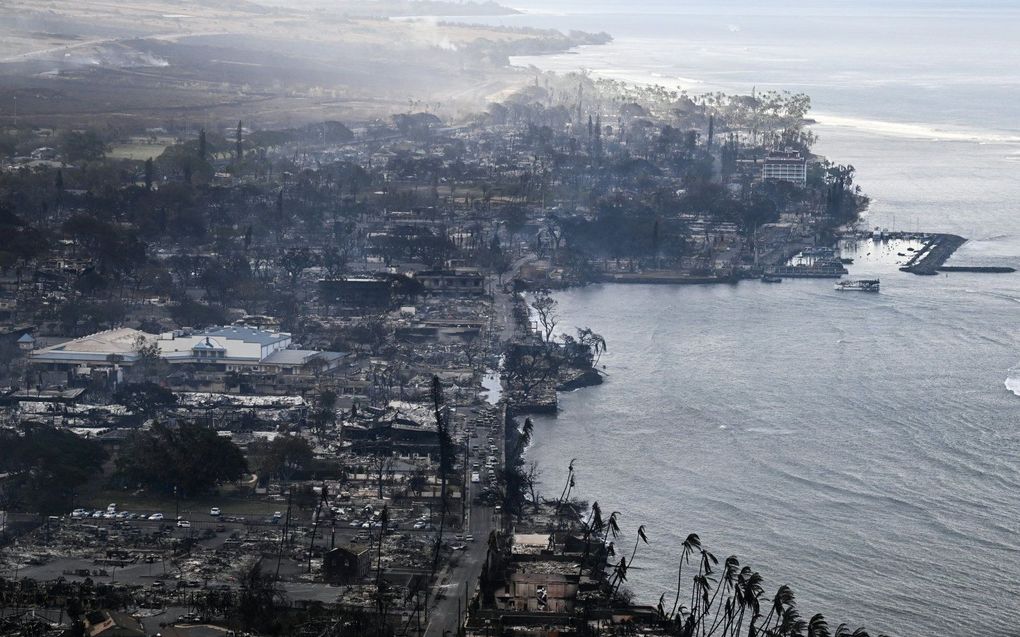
(227, 349)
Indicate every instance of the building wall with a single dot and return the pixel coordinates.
(560, 592)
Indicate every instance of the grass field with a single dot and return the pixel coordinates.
(139, 151)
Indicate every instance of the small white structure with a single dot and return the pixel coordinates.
(26, 343)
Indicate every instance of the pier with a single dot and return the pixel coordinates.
(827, 271)
(936, 251)
(991, 269)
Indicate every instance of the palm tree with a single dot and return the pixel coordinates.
(729, 575)
(691, 544)
(782, 600)
(621, 568)
(524, 439)
(565, 494)
(640, 537)
(612, 528)
(818, 627)
(746, 594)
(619, 575)
(592, 526)
(700, 602)
(844, 631)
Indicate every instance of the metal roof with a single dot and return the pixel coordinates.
(246, 334)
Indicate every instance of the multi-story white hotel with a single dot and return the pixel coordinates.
(785, 166)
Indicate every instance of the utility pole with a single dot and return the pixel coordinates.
(283, 537)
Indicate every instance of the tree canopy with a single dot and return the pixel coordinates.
(189, 457)
(281, 457)
(45, 466)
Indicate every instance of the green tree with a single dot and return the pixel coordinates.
(282, 457)
(294, 262)
(594, 341)
(189, 458)
(545, 306)
(146, 399)
(82, 146)
(44, 466)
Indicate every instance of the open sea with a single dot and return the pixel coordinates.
(864, 449)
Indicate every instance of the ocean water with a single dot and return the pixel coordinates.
(864, 449)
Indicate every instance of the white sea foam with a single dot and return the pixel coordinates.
(769, 431)
(1012, 381)
(914, 130)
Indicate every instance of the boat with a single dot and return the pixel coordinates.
(771, 278)
(858, 285)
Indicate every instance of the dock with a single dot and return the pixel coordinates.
(828, 271)
(990, 269)
(936, 251)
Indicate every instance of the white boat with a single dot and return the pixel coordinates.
(858, 285)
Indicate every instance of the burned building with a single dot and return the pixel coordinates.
(347, 564)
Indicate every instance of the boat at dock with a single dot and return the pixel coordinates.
(771, 278)
(858, 285)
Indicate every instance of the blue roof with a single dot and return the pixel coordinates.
(246, 334)
(26, 338)
(208, 344)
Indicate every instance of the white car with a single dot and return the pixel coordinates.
(156, 516)
(184, 524)
(476, 477)
(78, 514)
(215, 512)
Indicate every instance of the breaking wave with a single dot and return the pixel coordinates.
(917, 130)
(1012, 381)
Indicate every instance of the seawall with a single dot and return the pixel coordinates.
(934, 254)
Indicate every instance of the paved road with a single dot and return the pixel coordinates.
(460, 581)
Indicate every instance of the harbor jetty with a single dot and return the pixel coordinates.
(936, 251)
(990, 269)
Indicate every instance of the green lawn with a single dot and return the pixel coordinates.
(139, 151)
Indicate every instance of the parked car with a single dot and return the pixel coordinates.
(183, 524)
(215, 512)
(156, 516)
